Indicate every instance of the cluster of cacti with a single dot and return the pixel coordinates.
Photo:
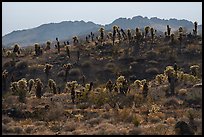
(16, 49)
(38, 49)
(4, 79)
(66, 67)
(20, 88)
(38, 88)
(52, 85)
(48, 43)
(47, 69)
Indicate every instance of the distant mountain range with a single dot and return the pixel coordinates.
(67, 29)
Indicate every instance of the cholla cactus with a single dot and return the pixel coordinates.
(137, 83)
(195, 31)
(58, 45)
(123, 34)
(52, 85)
(75, 40)
(38, 50)
(114, 33)
(47, 69)
(159, 78)
(20, 88)
(31, 82)
(16, 48)
(118, 33)
(67, 50)
(168, 30)
(38, 88)
(129, 35)
(48, 43)
(4, 79)
(72, 86)
(194, 70)
(145, 90)
(109, 85)
(67, 67)
(147, 28)
(169, 70)
(172, 38)
(152, 33)
(101, 30)
(92, 37)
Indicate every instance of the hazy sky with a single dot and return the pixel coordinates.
(24, 15)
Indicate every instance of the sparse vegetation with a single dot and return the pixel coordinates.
(107, 87)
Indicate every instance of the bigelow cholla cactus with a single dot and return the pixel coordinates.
(47, 69)
(152, 33)
(38, 88)
(118, 33)
(114, 33)
(38, 50)
(16, 49)
(31, 83)
(75, 40)
(147, 28)
(67, 50)
(58, 45)
(122, 84)
(123, 34)
(71, 86)
(101, 30)
(20, 88)
(52, 85)
(195, 30)
(67, 68)
(138, 34)
(92, 37)
(168, 30)
(129, 35)
(109, 85)
(145, 90)
(4, 79)
(48, 43)
(194, 70)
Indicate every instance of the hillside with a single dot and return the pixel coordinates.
(146, 95)
(66, 29)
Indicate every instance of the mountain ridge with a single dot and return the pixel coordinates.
(66, 29)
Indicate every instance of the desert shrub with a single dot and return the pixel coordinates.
(61, 73)
(110, 66)
(172, 101)
(152, 71)
(152, 54)
(21, 65)
(75, 72)
(86, 64)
